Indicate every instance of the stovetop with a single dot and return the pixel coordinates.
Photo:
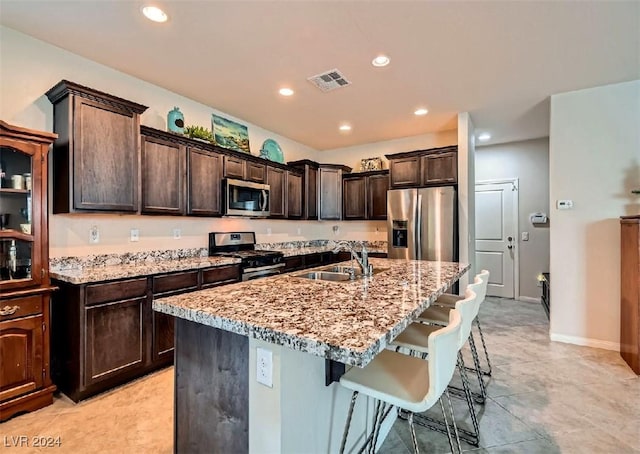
(242, 245)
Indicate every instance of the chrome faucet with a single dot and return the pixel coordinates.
(362, 260)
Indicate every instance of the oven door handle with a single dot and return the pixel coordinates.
(263, 268)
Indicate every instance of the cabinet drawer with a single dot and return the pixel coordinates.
(177, 281)
(221, 275)
(292, 263)
(255, 172)
(114, 291)
(233, 167)
(20, 307)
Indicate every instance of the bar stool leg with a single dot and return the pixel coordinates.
(453, 422)
(484, 346)
(371, 438)
(413, 431)
(345, 434)
(469, 398)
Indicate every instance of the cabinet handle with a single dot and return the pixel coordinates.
(8, 310)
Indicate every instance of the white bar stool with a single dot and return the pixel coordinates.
(407, 382)
(415, 338)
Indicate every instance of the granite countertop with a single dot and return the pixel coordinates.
(113, 272)
(347, 322)
(288, 252)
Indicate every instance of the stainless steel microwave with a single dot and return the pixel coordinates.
(245, 198)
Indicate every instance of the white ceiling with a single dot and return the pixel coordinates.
(500, 61)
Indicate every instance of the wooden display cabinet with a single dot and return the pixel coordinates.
(25, 381)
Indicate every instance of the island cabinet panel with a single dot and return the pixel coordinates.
(255, 172)
(217, 389)
(294, 196)
(95, 163)
(354, 199)
(405, 172)
(630, 291)
(440, 168)
(234, 167)
(377, 188)
(21, 350)
(276, 179)
(163, 177)
(204, 183)
(293, 263)
(115, 339)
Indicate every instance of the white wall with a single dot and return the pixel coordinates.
(529, 162)
(30, 67)
(594, 160)
(466, 196)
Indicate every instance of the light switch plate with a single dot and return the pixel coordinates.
(264, 366)
(177, 234)
(564, 204)
(135, 235)
(525, 236)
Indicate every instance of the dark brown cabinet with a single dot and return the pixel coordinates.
(432, 167)
(354, 198)
(365, 195)
(95, 158)
(440, 168)
(108, 334)
(294, 196)
(330, 188)
(255, 172)
(276, 179)
(204, 183)
(309, 187)
(25, 380)
(234, 167)
(405, 172)
(163, 177)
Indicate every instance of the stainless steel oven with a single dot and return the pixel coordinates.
(244, 198)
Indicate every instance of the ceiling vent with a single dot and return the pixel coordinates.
(329, 80)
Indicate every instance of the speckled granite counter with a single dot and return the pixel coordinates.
(113, 272)
(346, 322)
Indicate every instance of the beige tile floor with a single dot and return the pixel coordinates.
(545, 397)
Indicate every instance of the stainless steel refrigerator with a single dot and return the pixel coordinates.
(422, 224)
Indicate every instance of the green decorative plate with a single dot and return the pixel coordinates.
(272, 151)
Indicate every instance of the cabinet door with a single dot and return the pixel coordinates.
(311, 193)
(405, 172)
(294, 195)
(440, 169)
(377, 187)
(105, 164)
(163, 166)
(115, 339)
(276, 179)
(354, 198)
(204, 183)
(330, 194)
(234, 167)
(255, 172)
(21, 350)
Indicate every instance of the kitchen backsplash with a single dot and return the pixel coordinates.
(148, 257)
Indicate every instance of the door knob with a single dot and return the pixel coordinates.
(509, 239)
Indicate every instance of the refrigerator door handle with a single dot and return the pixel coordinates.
(418, 228)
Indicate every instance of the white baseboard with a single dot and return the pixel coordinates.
(595, 343)
(529, 299)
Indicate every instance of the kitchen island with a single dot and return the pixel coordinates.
(219, 406)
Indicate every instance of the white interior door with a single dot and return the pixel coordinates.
(496, 228)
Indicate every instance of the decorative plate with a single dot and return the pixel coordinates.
(272, 151)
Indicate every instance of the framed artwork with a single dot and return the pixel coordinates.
(369, 164)
(229, 134)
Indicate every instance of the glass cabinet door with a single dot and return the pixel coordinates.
(17, 230)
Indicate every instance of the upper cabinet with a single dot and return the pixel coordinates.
(163, 171)
(204, 182)
(330, 190)
(309, 188)
(277, 181)
(95, 158)
(365, 195)
(433, 167)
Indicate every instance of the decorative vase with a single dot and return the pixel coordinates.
(175, 121)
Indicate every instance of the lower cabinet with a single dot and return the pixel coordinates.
(106, 334)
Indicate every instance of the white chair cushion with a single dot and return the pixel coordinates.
(449, 300)
(416, 336)
(437, 315)
(394, 378)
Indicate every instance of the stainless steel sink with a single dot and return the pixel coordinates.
(336, 274)
(325, 276)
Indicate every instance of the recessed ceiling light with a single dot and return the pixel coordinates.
(286, 91)
(380, 60)
(154, 13)
(484, 136)
(421, 111)
(345, 127)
